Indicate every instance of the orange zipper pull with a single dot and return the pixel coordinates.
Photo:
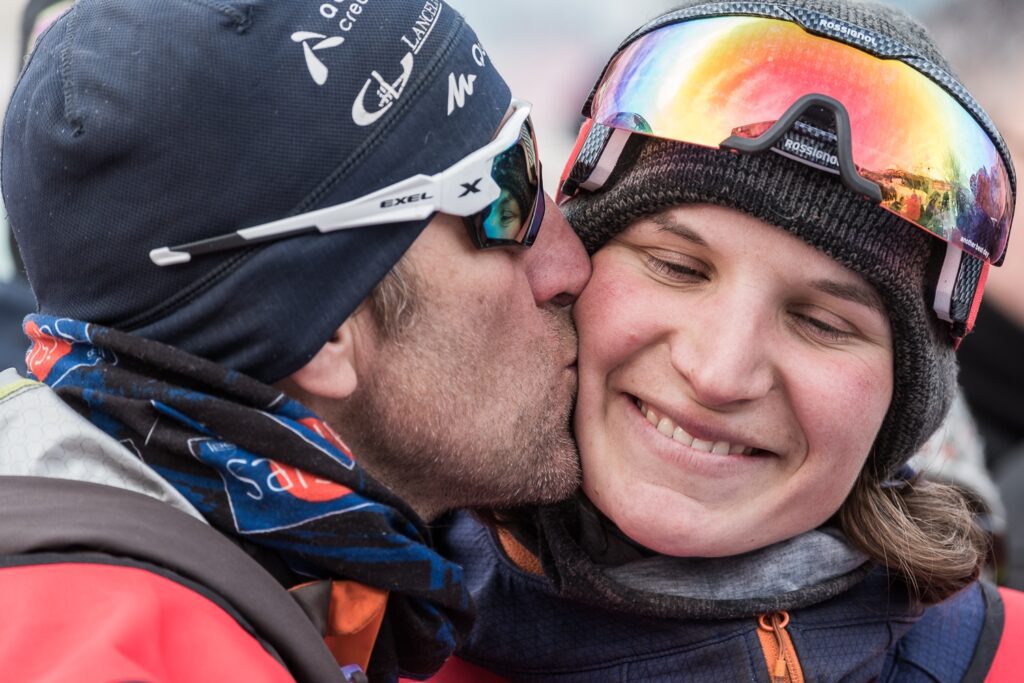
(775, 623)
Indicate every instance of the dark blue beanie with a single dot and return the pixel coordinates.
(140, 124)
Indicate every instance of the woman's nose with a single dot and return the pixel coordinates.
(725, 353)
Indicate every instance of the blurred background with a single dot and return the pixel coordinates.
(551, 52)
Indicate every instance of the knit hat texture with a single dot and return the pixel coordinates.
(888, 252)
(140, 124)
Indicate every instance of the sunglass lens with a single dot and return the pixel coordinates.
(512, 218)
(505, 217)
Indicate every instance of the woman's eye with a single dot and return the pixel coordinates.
(822, 329)
(675, 270)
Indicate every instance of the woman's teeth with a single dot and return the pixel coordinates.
(673, 431)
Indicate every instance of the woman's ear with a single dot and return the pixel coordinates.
(331, 373)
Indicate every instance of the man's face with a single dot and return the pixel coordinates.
(469, 404)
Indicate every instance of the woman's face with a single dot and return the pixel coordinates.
(732, 381)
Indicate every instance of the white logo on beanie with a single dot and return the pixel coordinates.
(347, 21)
(458, 89)
(461, 87)
(424, 25)
(317, 69)
(479, 55)
(387, 93)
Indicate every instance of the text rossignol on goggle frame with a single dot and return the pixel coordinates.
(497, 190)
(750, 77)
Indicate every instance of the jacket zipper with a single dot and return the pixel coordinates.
(779, 653)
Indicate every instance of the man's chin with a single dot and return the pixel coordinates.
(555, 480)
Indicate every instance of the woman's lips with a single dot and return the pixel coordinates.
(668, 428)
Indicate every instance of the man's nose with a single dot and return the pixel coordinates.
(557, 265)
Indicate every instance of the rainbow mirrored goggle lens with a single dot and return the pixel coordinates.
(705, 80)
(516, 215)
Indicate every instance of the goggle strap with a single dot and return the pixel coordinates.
(569, 183)
(967, 294)
(596, 158)
(607, 161)
(959, 289)
(946, 283)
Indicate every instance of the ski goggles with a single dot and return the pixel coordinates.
(497, 190)
(750, 83)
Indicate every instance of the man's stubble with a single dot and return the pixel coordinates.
(455, 412)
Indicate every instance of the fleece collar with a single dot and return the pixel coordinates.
(590, 560)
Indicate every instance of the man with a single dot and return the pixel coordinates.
(250, 225)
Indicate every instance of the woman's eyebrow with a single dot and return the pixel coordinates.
(670, 224)
(859, 294)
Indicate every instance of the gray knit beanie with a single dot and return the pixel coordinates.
(891, 254)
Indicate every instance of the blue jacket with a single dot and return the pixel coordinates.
(526, 632)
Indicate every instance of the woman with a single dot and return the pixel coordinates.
(790, 235)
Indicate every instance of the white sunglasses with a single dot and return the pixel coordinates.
(496, 189)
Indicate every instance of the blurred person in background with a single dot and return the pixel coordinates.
(984, 41)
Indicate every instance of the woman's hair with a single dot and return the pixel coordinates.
(923, 531)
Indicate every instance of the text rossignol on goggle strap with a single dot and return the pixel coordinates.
(893, 133)
(497, 190)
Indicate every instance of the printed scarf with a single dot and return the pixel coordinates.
(262, 468)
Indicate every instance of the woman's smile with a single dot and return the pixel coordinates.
(713, 454)
(717, 445)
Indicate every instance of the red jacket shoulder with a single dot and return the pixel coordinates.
(1009, 660)
(89, 622)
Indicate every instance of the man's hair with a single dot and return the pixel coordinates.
(395, 301)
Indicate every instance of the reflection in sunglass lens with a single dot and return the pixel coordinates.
(514, 217)
(505, 220)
